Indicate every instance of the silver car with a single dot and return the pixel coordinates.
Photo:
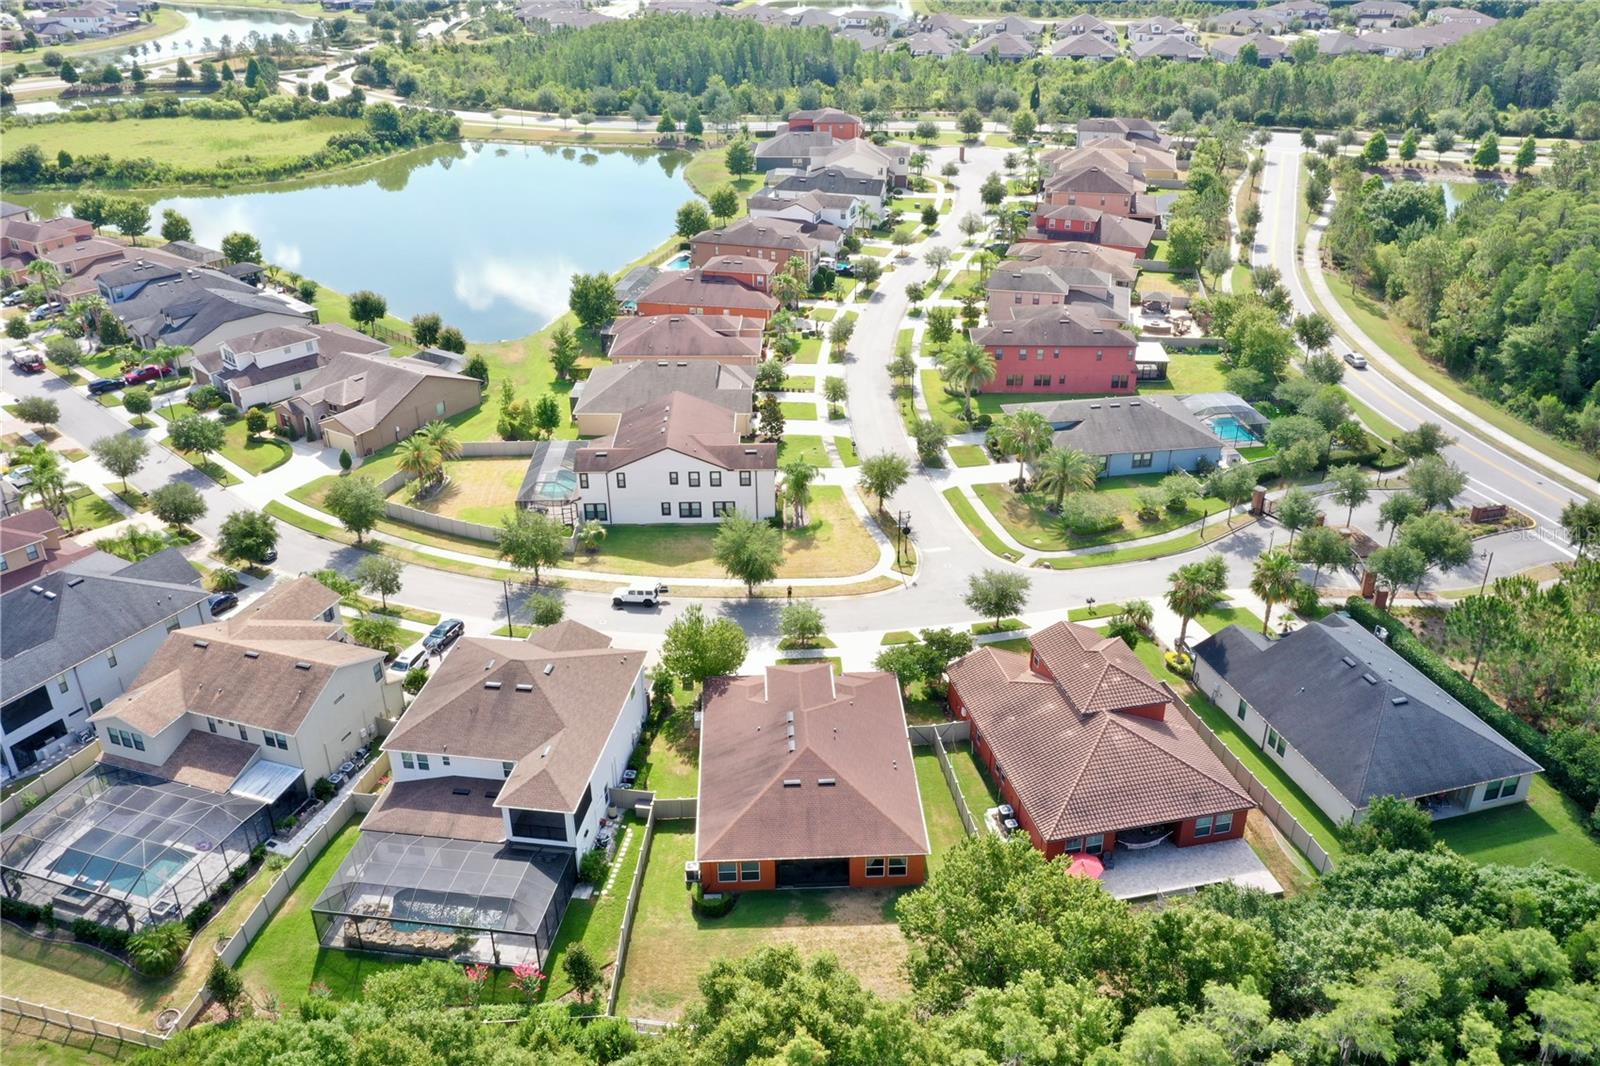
(1356, 359)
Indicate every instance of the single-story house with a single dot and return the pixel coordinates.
(807, 781)
(1349, 720)
(1089, 749)
(1005, 47)
(1144, 435)
(1086, 46)
(361, 403)
(1269, 50)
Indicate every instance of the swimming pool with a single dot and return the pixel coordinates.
(1230, 430)
(678, 262)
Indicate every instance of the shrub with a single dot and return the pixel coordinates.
(323, 789)
(157, 951)
(205, 397)
(416, 677)
(593, 867)
(713, 907)
(228, 411)
(112, 938)
(198, 915)
(1179, 663)
(18, 911)
(225, 579)
(1085, 514)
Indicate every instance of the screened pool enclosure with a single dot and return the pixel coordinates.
(124, 848)
(457, 899)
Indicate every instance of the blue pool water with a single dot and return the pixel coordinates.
(677, 262)
(1232, 431)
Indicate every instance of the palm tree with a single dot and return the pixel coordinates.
(1064, 470)
(443, 438)
(1026, 435)
(1194, 588)
(797, 478)
(45, 273)
(1275, 577)
(419, 457)
(968, 367)
(591, 533)
(48, 476)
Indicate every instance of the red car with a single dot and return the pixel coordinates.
(144, 374)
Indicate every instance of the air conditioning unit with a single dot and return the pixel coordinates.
(691, 874)
(1381, 632)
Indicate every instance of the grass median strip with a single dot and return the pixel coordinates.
(977, 526)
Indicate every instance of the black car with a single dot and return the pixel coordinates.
(269, 556)
(99, 385)
(443, 635)
(222, 601)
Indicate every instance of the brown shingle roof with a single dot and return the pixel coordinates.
(568, 635)
(1113, 261)
(850, 729)
(299, 599)
(553, 727)
(1057, 327)
(681, 423)
(682, 336)
(1074, 750)
(205, 760)
(431, 807)
(687, 287)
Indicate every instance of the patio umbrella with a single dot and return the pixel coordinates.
(1085, 865)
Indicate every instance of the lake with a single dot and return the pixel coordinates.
(487, 235)
(205, 27)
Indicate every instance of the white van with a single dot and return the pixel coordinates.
(641, 593)
(412, 657)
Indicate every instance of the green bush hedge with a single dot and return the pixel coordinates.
(113, 938)
(24, 913)
(1571, 758)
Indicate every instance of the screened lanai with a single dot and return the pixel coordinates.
(458, 899)
(125, 848)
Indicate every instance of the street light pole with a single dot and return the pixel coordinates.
(1489, 557)
(511, 625)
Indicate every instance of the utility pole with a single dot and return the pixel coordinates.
(511, 625)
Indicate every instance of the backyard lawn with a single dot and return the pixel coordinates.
(1549, 826)
(973, 777)
(255, 455)
(1189, 374)
(668, 761)
(596, 922)
(671, 947)
(25, 1041)
(945, 830)
(478, 490)
(833, 544)
(184, 141)
(1027, 519)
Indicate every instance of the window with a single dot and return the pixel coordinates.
(744, 478)
(61, 683)
(1242, 708)
(594, 510)
(1275, 741)
(1501, 789)
(1202, 826)
(1222, 823)
(445, 759)
(875, 867)
(1022, 355)
(672, 477)
(506, 768)
(694, 479)
(749, 871)
(244, 734)
(727, 871)
(622, 480)
(1098, 356)
(422, 762)
(277, 740)
(1119, 381)
(583, 481)
(583, 806)
(138, 741)
(407, 761)
(539, 825)
(32, 551)
(115, 736)
(722, 507)
(666, 509)
(211, 724)
(96, 703)
(716, 479)
(1143, 460)
(377, 671)
(1088, 845)
(111, 659)
(438, 408)
(1041, 381)
(689, 509)
(897, 866)
(1014, 380)
(327, 616)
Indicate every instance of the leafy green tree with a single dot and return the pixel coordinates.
(357, 503)
(531, 540)
(1188, 243)
(131, 216)
(740, 157)
(1487, 157)
(970, 123)
(1436, 481)
(138, 403)
(1296, 511)
(967, 367)
(696, 647)
(174, 227)
(1397, 566)
(1390, 824)
(1478, 624)
(1527, 154)
(379, 574)
(120, 454)
(224, 984)
(1351, 487)
(582, 971)
(37, 410)
(247, 536)
(241, 247)
(1232, 485)
(1377, 149)
(1320, 548)
(255, 421)
(379, 632)
(547, 416)
(451, 340)
(1026, 435)
(748, 549)
(693, 218)
(1438, 539)
(306, 289)
(593, 299)
(1429, 438)
(197, 435)
(177, 504)
(1193, 589)
(798, 475)
(1408, 145)
(929, 440)
(1581, 521)
(997, 594)
(425, 329)
(366, 307)
(883, 474)
(801, 623)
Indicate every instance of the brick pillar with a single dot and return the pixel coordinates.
(1258, 501)
(1381, 600)
(1369, 584)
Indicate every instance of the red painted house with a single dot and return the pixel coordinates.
(1069, 222)
(694, 292)
(747, 270)
(1087, 746)
(1060, 349)
(843, 125)
(806, 781)
(1103, 187)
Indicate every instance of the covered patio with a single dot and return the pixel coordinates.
(1166, 869)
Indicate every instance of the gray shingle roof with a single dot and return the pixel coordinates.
(93, 608)
(1118, 427)
(1369, 722)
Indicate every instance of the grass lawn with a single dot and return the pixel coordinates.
(1005, 625)
(1373, 320)
(1153, 549)
(1372, 419)
(946, 407)
(968, 455)
(797, 409)
(255, 455)
(810, 350)
(1549, 826)
(161, 24)
(1188, 374)
(1025, 517)
(76, 978)
(1224, 615)
(183, 141)
(334, 306)
(973, 777)
(668, 759)
(945, 830)
(87, 511)
(596, 922)
(847, 451)
(205, 465)
(479, 490)
(174, 411)
(671, 947)
(707, 172)
(977, 526)
(803, 446)
(833, 544)
(899, 636)
(30, 1043)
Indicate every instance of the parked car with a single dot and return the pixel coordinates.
(27, 361)
(444, 634)
(99, 385)
(44, 311)
(20, 476)
(644, 595)
(140, 375)
(269, 556)
(12, 298)
(1356, 359)
(222, 601)
(410, 659)
(844, 269)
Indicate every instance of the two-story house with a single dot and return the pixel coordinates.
(840, 124)
(31, 545)
(676, 459)
(1073, 350)
(266, 367)
(774, 240)
(694, 292)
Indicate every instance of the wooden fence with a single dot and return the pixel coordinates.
(52, 779)
(455, 527)
(1268, 804)
(968, 823)
(630, 910)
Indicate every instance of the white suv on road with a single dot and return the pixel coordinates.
(644, 595)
